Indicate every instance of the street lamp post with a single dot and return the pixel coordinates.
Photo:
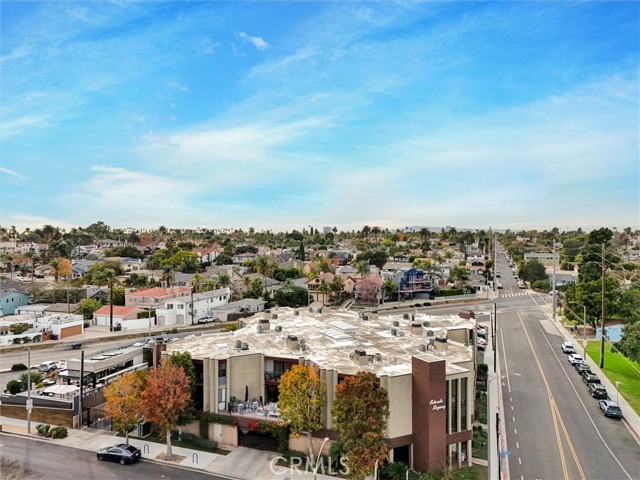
(617, 390)
(584, 327)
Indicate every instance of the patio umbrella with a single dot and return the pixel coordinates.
(246, 393)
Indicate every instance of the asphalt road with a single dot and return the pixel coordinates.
(554, 428)
(34, 459)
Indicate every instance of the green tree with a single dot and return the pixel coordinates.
(532, 271)
(301, 400)
(265, 267)
(223, 259)
(360, 411)
(459, 275)
(290, 295)
(184, 361)
(88, 306)
(165, 398)
(123, 401)
(108, 274)
(629, 344)
(223, 280)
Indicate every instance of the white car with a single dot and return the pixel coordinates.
(574, 358)
(567, 347)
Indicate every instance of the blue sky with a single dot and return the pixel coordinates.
(283, 115)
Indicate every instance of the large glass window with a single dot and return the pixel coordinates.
(454, 405)
(222, 372)
(463, 404)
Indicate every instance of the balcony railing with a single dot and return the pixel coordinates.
(272, 376)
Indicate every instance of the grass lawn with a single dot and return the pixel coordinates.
(618, 368)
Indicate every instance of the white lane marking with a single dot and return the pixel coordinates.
(512, 408)
(519, 460)
(510, 399)
(583, 406)
(514, 418)
(517, 444)
(515, 430)
(504, 356)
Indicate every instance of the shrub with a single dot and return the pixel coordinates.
(59, 432)
(196, 441)
(14, 386)
(43, 430)
(232, 327)
(18, 366)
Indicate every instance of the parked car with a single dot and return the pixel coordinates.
(482, 332)
(481, 347)
(574, 358)
(567, 347)
(48, 366)
(590, 377)
(122, 453)
(205, 320)
(582, 368)
(520, 284)
(610, 409)
(596, 390)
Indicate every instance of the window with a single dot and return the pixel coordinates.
(454, 405)
(463, 404)
(222, 372)
(180, 307)
(222, 395)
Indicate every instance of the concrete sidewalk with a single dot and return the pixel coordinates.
(240, 464)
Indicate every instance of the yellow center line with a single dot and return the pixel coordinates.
(557, 418)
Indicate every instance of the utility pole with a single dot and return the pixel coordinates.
(29, 406)
(81, 385)
(192, 305)
(553, 287)
(111, 304)
(602, 309)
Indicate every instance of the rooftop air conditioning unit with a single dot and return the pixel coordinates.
(359, 351)
(396, 323)
(394, 331)
(278, 328)
(238, 344)
(405, 316)
(296, 312)
(426, 323)
(245, 346)
(310, 309)
(274, 316)
(416, 328)
(365, 317)
(430, 333)
(423, 348)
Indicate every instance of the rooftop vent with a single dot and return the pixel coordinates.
(359, 351)
(319, 310)
(378, 357)
(292, 342)
(405, 316)
(423, 348)
(365, 316)
(245, 346)
(258, 328)
(396, 323)
(296, 312)
(430, 333)
(265, 324)
(274, 316)
(360, 357)
(394, 331)
(400, 333)
(426, 323)
(238, 344)
(416, 328)
(278, 328)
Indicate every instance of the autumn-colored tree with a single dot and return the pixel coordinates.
(123, 401)
(64, 267)
(360, 411)
(302, 397)
(166, 398)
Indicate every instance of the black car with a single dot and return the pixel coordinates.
(122, 453)
(582, 367)
(589, 377)
(596, 390)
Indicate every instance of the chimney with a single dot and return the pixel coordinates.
(292, 342)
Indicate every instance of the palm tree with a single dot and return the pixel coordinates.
(223, 281)
(55, 264)
(196, 282)
(264, 266)
(365, 231)
(324, 289)
(363, 268)
(337, 286)
(109, 274)
(376, 232)
(31, 255)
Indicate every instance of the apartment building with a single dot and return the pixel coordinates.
(426, 363)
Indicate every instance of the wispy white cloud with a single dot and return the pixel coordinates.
(257, 42)
(177, 86)
(12, 173)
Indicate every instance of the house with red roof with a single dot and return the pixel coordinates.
(120, 315)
